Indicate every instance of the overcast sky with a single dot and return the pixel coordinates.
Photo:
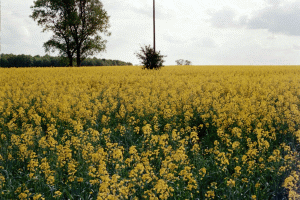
(206, 32)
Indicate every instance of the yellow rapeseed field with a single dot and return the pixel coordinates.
(182, 132)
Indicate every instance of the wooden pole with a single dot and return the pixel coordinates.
(154, 25)
(0, 32)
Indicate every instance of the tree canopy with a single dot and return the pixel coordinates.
(76, 26)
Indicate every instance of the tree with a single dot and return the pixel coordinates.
(11, 60)
(3, 61)
(150, 59)
(76, 25)
(187, 62)
(179, 62)
(183, 62)
(20, 61)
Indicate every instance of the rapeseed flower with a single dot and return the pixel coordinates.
(155, 135)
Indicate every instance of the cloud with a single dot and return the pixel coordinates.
(141, 8)
(273, 2)
(256, 55)
(227, 18)
(278, 19)
(296, 47)
(20, 34)
(22, 38)
(174, 37)
(272, 37)
(208, 42)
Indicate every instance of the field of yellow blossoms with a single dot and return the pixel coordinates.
(182, 132)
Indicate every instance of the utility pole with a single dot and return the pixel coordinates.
(154, 25)
(0, 36)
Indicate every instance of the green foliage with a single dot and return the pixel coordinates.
(75, 24)
(10, 60)
(150, 59)
(103, 62)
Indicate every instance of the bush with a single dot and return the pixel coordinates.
(150, 58)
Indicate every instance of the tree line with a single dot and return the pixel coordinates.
(11, 60)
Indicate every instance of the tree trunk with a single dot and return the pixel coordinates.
(70, 61)
(70, 56)
(78, 57)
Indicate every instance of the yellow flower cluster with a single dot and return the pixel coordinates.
(183, 132)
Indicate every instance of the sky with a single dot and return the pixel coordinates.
(206, 32)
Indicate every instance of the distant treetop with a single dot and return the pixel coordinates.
(11, 60)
